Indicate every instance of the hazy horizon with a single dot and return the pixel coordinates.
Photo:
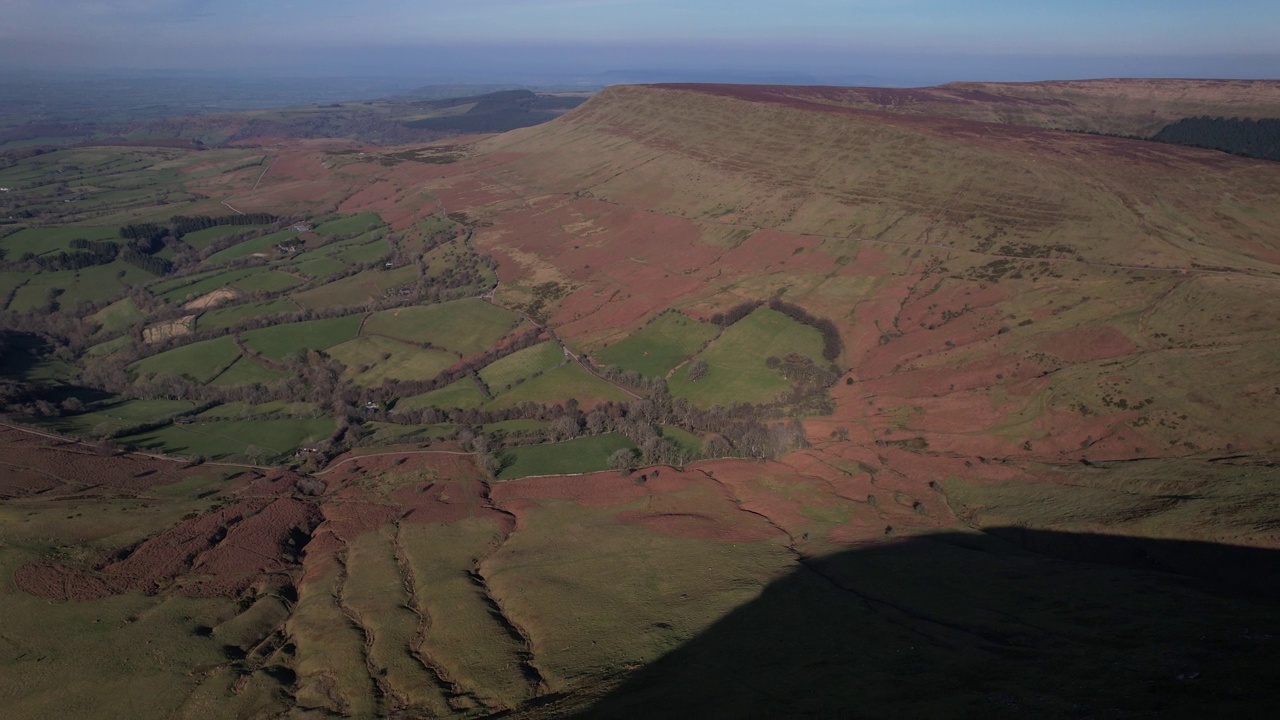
(886, 42)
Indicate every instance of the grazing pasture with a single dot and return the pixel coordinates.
(656, 348)
(587, 454)
(464, 326)
(736, 370)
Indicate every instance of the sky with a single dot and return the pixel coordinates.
(893, 41)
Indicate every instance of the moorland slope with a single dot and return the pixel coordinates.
(1045, 441)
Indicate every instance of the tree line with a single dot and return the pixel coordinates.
(832, 345)
(1250, 138)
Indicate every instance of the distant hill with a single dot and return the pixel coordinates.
(498, 112)
(389, 121)
(1132, 107)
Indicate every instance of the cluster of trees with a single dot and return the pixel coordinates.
(832, 345)
(735, 313)
(150, 263)
(1251, 138)
(740, 430)
(743, 431)
(801, 370)
(633, 378)
(148, 233)
(87, 253)
(180, 225)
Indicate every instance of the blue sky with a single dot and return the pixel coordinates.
(995, 39)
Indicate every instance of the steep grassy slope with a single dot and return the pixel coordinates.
(747, 161)
(1046, 483)
(1129, 106)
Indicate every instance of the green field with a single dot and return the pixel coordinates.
(42, 240)
(366, 252)
(687, 441)
(394, 433)
(200, 361)
(659, 346)
(246, 371)
(109, 347)
(91, 284)
(219, 439)
(370, 360)
(227, 317)
(201, 239)
(325, 247)
(560, 384)
(588, 454)
(117, 316)
(162, 287)
(320, 267)
(501, 374)
(357, 289)
(265, 244)
(267, 282)
(735, 361)
(348, 225)
(202, 284)
(118, 415)
(461, 393)
(276, 342)
(10, 281)
(465, 326)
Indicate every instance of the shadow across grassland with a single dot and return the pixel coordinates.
(977, 625)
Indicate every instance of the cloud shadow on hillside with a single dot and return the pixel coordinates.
(1014, 622)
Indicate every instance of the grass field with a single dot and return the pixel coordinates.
(465, 326)
(372, 359)
(587, 454)
(219, 439)
(607, 594)
(276, 342)
(10, 281)
(375, 590)
(366, 252)
(348, 225)
(356, 289)
(162, 287)
(686, 440)
(109, 347)
(227, 317)
(246, 371)
(202, 284)
(395, 433)
(240, 411)
(91, 284)
(501, 374)
(330, 659)
(735, 361)
(461, 393)
(466, 636)
(560, 384)
(43, 240)
(200, 361)
(118, 315)
(201, 239)
(659, 346)
(359, 246)
(319, 267)
(265, 244)
(120, 414)
(266, 282)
